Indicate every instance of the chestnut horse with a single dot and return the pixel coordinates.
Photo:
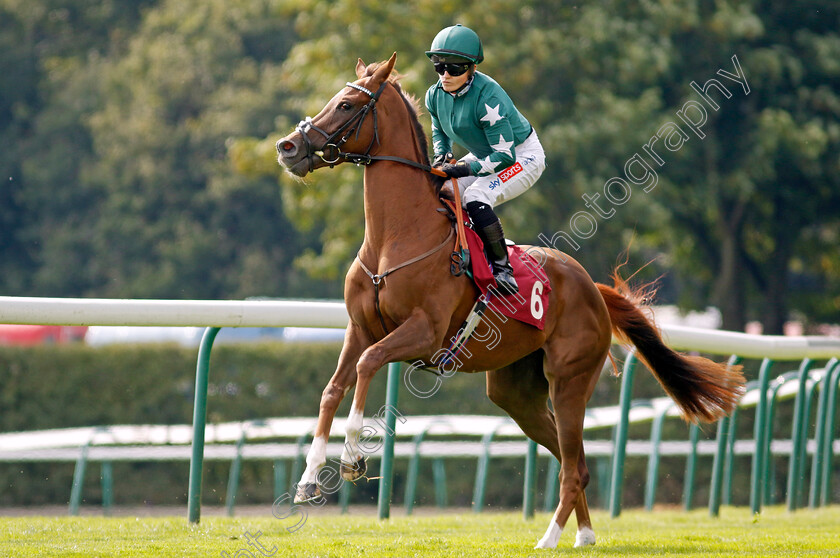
(404, 303)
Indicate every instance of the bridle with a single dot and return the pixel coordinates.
(331, 152)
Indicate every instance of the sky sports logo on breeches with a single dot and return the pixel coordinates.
(510, 172)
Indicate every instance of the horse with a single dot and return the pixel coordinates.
(404, 302)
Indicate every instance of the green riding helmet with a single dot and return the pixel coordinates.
(457, 41)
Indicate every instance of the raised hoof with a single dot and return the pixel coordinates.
(355, 471)
(307, 492)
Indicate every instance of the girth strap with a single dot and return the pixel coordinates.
(377, 278)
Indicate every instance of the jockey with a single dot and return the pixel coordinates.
(505, 156)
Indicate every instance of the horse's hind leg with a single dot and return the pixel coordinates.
(585, 535)
(521, 390)
(571, 381)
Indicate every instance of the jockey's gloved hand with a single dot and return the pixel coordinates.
(442, 158)
(456, 170)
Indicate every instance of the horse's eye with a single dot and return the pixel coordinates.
(344, 106)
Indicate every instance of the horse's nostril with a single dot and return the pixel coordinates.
(286, 148)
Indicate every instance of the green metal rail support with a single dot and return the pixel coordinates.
(199, 423)
(819, 437)
(691, 467)
(482, 468)
(233, 476)
(803, 453)
(529, 495)
(760, 430)
(603, 467)
(78, 480)
(800, 432)
(720, 454)
(729, 466)
(772, 402)
(830, 415)
(617, 483)
(653, 459)
(439, 476)
(414, 468)
(344, 496)
(107, 479)
(832, 373)
(552, 480)
(279, 478)
(386, 484)
(412, 474)
(717, 467)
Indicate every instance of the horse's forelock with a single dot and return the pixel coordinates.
(371, 68)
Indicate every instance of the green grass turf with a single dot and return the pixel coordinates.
(636, 533)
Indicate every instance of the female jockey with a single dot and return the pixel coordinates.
(505, 156)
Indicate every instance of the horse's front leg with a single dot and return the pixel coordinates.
(416, 336)
(353, 463)
(338, 386)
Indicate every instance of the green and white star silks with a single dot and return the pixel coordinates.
(482, 118)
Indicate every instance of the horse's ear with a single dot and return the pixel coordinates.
(385, 69)
(360, 69)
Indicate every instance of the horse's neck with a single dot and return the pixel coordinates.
(401, 215)
(401, 218)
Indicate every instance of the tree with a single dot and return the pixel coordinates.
(139, 142)
(49, 61)
(174, 219)
(17, 92)
(714, 210)
(768, 166)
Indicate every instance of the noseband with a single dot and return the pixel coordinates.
(331, 152)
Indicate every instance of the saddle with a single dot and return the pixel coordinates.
(529, 304)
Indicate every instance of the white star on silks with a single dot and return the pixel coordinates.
(487, 165)
(503, 146)
(492, 115)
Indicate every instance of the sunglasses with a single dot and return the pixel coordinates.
(453, 68)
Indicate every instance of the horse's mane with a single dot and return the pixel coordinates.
(415, 109)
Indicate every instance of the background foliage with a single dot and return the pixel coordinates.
(137, 142)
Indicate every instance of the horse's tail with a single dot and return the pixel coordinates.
(704, 390)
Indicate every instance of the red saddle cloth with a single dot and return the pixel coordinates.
(530, 303)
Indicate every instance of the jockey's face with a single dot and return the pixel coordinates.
(454, 72)
(453, 83)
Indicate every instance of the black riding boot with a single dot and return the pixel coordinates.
(489, 229)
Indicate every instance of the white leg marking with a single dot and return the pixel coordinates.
(315, 459)
(352, 453)
(585, 537)
(551, 537)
